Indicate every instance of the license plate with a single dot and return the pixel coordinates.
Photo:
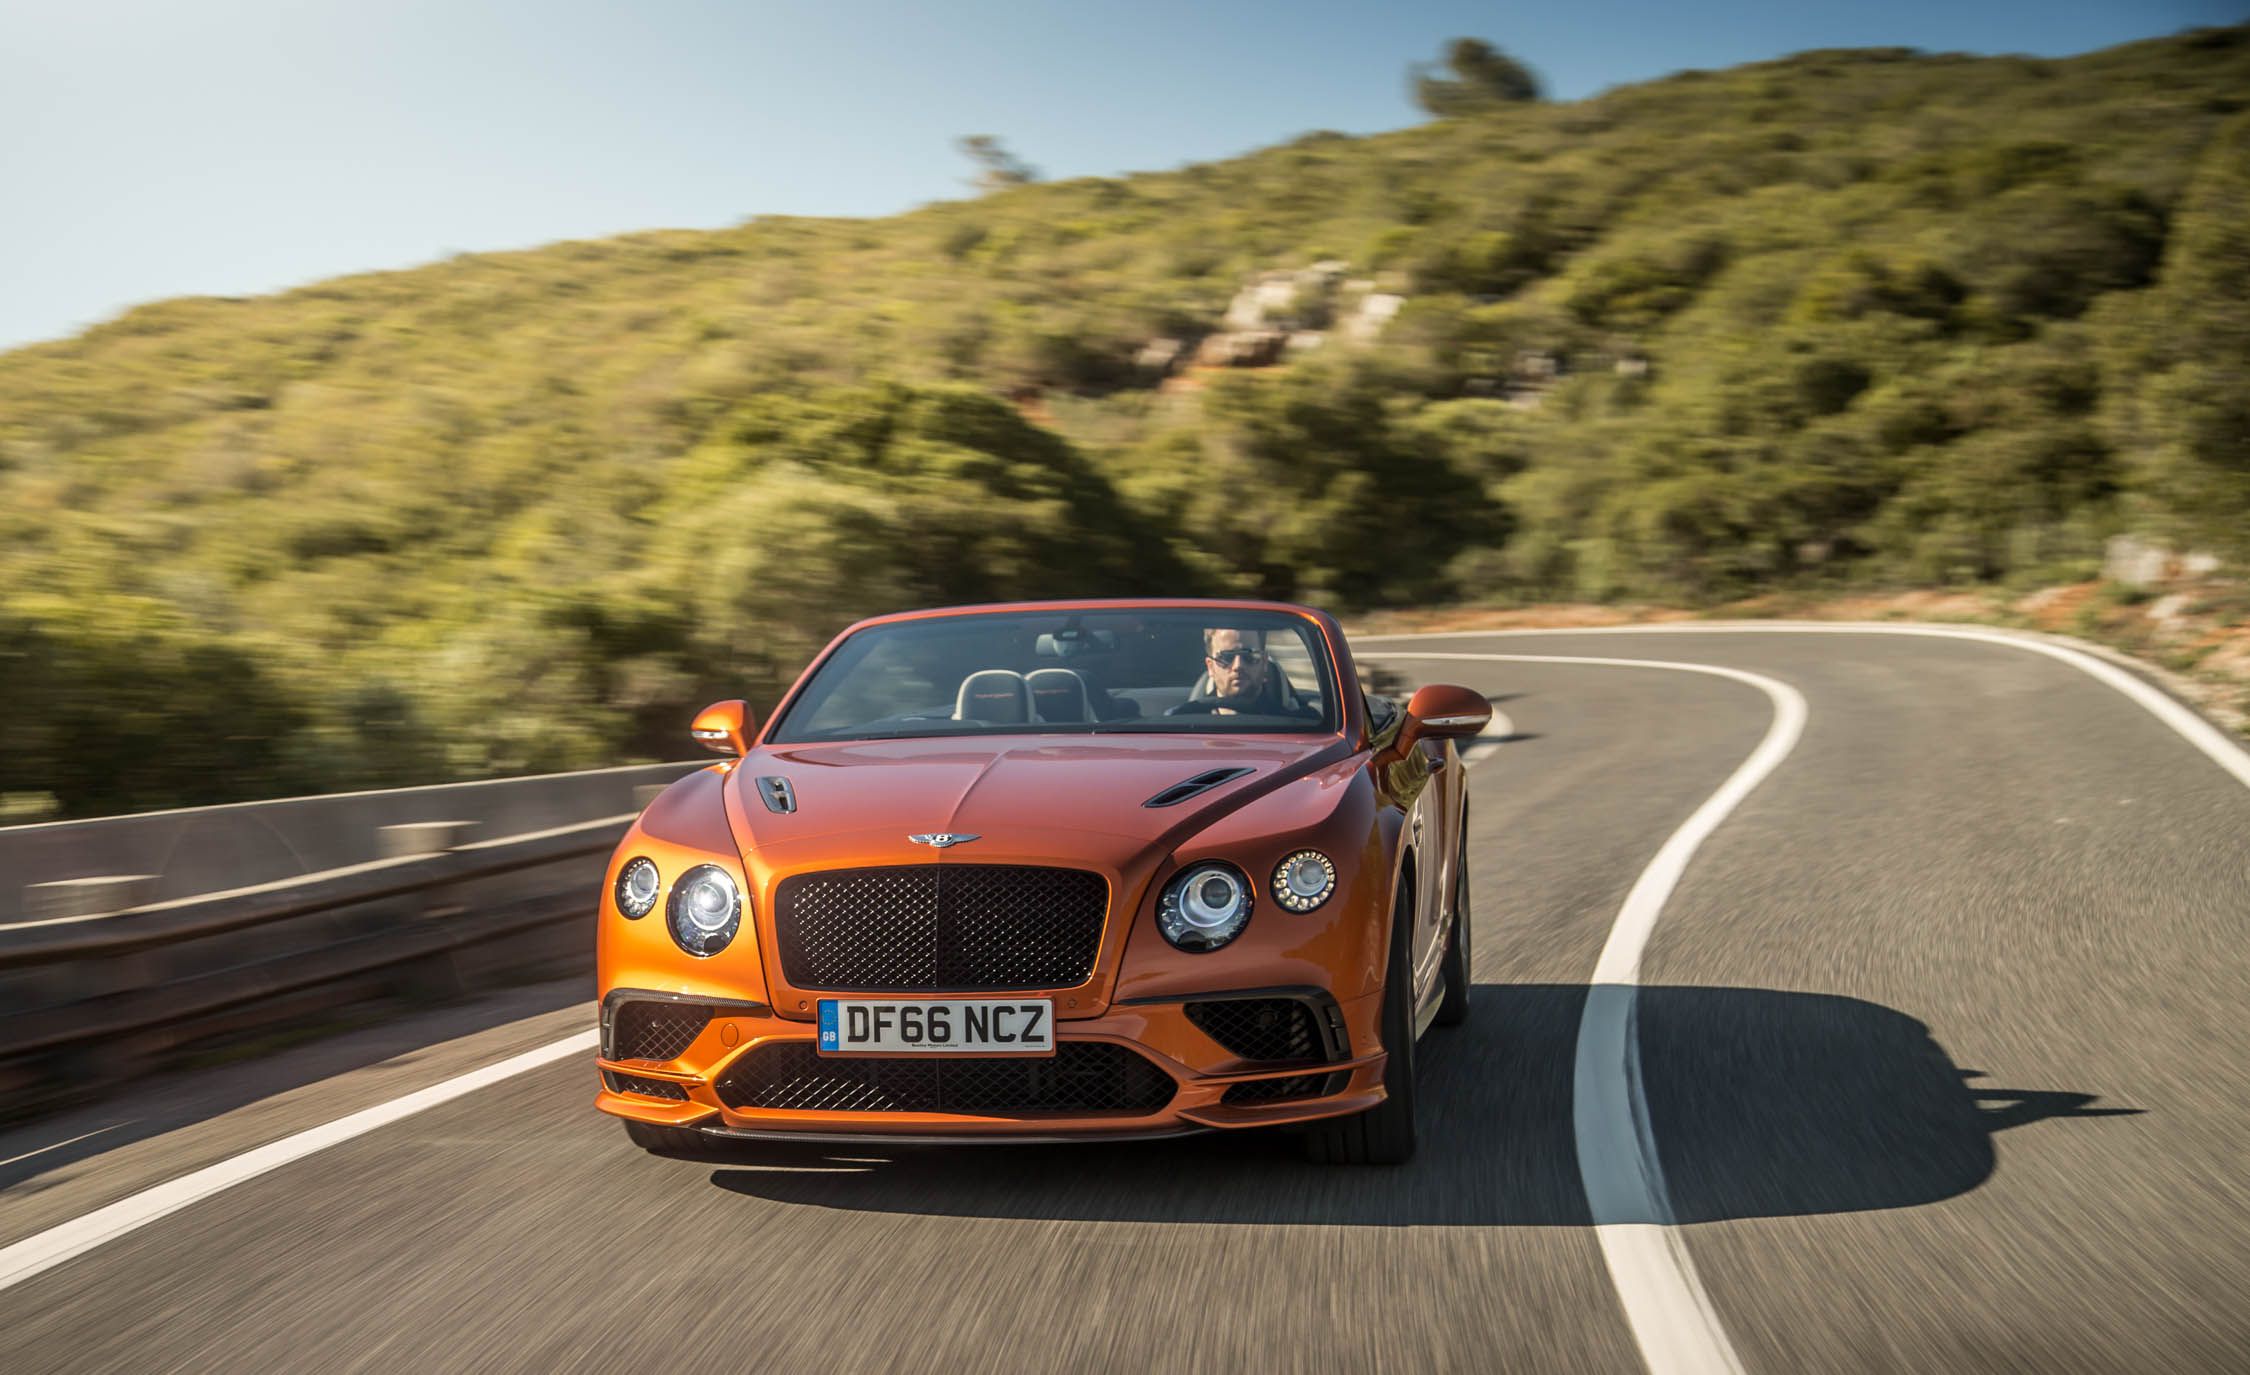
(937, 1026)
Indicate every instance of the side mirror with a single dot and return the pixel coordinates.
(1440, 711)
(724, 727)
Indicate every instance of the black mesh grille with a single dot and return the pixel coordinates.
(650, 1030)
(646, 1088)
(1277, 1090)
(1082, 1077)
(1261, 1028)
(932, 928)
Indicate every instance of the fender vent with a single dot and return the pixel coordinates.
(1192, 787)
(779, 795)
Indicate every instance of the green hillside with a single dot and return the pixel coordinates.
(1850, 318)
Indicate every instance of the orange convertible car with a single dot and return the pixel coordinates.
(1044, 871)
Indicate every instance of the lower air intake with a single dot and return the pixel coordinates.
(1282, 1090)
(646, 1088)
(1260, 1028)
(1081, 1077)
(652, 1030)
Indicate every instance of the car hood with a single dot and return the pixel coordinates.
(1078, 799)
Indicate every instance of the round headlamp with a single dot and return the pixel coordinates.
(637, 885)
(1204, 906)
(1304, 880)
(705, 910)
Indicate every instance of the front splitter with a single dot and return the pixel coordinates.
(943, 1139)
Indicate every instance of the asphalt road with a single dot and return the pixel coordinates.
(1943, 1048)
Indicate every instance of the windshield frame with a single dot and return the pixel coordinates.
(1321, 645)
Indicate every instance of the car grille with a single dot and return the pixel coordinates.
(931, 928)
(1081, 1077)
(651, 1030)
(1260, 1028)
(1279, 1090)
(646, 1088)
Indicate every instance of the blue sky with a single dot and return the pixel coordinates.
(153, 148)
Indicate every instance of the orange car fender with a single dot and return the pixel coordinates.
(1340, 945)
(684, 827)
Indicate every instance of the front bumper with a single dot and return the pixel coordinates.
(702, 1084)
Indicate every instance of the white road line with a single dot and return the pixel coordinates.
(1671, 1316)
(1664, 1301)
(58, 1145)
(2215, 743)
(44, 1250)
(1492, 737)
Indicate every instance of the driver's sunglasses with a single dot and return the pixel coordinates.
(1228, 658)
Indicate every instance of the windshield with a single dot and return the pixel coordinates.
(1196, 671)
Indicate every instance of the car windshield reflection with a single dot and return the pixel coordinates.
(1186, 671)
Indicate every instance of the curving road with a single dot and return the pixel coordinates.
(1942, 1063)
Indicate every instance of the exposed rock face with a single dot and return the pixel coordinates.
(1248, 348)
(1300, 298)
(1285, 312)
(1158, 356)
(1376, 309)
(2142, 563)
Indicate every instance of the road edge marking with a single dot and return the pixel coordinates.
(2213, 741)
(1670, 1313)
(1497, 732)
(43, 1251)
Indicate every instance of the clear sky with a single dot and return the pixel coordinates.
(153, 148)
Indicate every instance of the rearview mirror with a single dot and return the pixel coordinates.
(1441, 711)
(724, 727)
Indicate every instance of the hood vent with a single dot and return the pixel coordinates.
(1196, 786)
(779, 795)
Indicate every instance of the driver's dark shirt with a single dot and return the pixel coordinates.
(1272, 699)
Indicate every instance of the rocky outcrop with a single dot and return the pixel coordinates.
(2137, 562)
(1280, 314)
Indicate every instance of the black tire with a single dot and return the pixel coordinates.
(678, 1143)
(1384, 1134)
(1453, 1010)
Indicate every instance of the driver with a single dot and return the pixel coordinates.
(1240, 677)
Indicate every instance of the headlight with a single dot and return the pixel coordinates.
(1304, 880)
(705, 910)
(1204, 906)
(637, 883)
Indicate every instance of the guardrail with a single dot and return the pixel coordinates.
(90, 998)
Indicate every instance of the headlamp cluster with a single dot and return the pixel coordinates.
(703, 913)
(1304, 880)
(637, 887)
(1208, 903)
(1204, 906)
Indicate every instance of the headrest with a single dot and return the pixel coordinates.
(996, 695)
(1058, 694)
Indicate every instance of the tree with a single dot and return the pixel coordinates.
(998, 169)
(1483, 78)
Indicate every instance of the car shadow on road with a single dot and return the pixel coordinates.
(1763, 1104)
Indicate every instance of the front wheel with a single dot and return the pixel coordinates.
(1453, 1008)
(1384, 1134)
